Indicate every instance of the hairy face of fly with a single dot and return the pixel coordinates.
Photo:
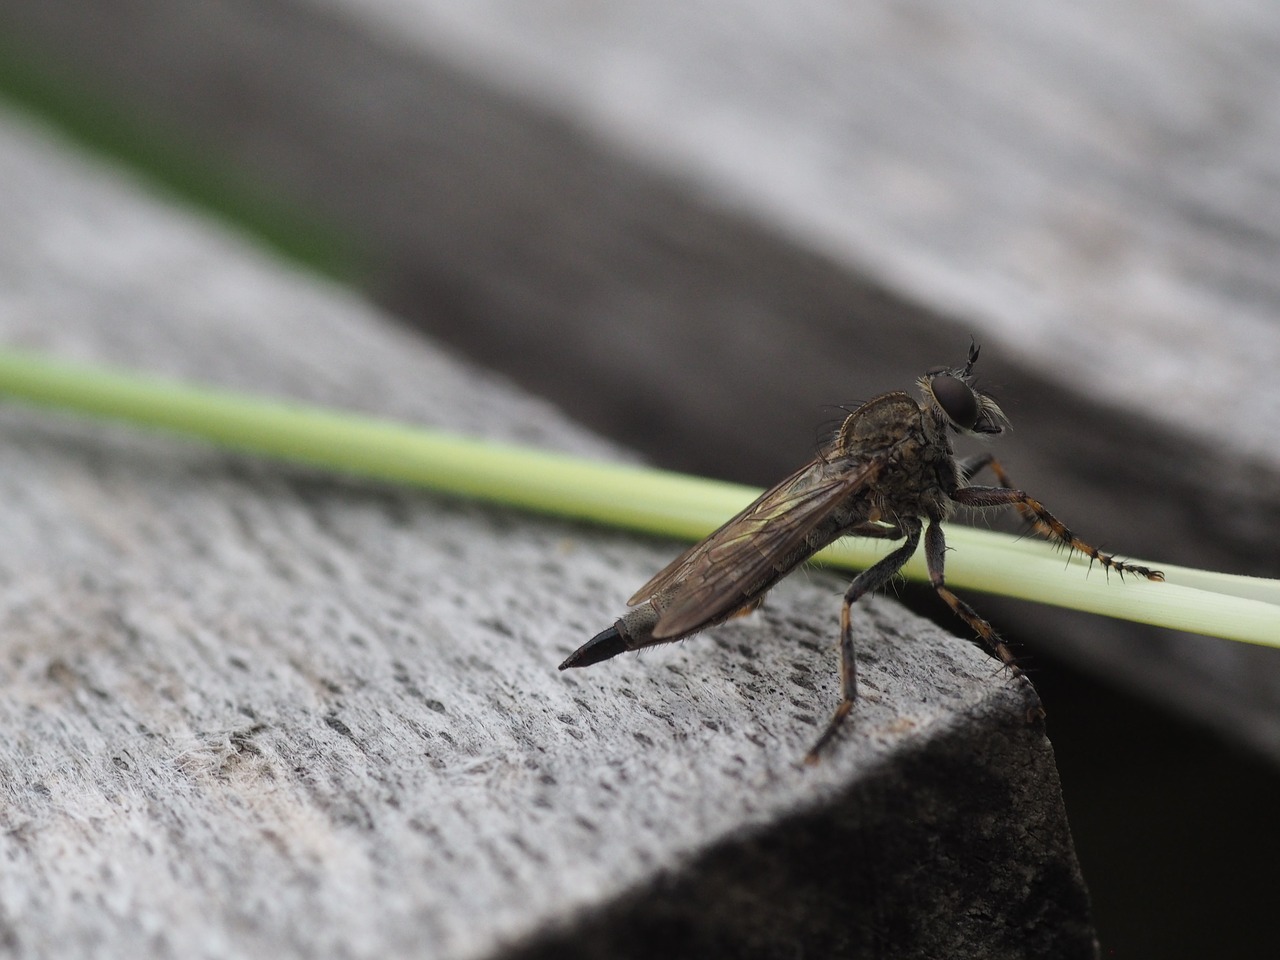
(964, 408)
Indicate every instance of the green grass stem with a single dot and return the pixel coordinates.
(636, 498)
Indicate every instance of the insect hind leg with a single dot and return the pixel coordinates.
(873, 578)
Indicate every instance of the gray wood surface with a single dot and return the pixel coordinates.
(700, 225)
(250, 710)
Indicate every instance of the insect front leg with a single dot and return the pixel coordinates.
(1045, 523)
(972, 466)
(873, 578)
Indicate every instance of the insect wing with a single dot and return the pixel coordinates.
(677, 569)
(720, 574)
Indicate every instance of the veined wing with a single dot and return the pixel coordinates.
(806, 485)
(713, 578)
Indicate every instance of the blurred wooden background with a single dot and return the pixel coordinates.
(697, 227)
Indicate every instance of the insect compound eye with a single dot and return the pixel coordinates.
(956, 400)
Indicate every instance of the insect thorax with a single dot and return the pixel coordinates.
(918, 469)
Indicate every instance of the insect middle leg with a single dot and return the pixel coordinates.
(873, 578)
(935, 552)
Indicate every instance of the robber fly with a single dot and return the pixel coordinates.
(890, 473)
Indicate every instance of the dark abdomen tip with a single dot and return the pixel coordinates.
(606, 644)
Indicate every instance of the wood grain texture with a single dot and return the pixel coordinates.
(253, 710)
(700, 225)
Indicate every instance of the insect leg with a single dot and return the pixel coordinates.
(878, 531)
(1045, 523)
(872, 578)
(935, 551)
(972, 465)
(750, 607)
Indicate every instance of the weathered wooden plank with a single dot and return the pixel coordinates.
(251, 710)
(697, 224)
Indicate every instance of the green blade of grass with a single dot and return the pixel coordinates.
(636, 498)
(1197, 601)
